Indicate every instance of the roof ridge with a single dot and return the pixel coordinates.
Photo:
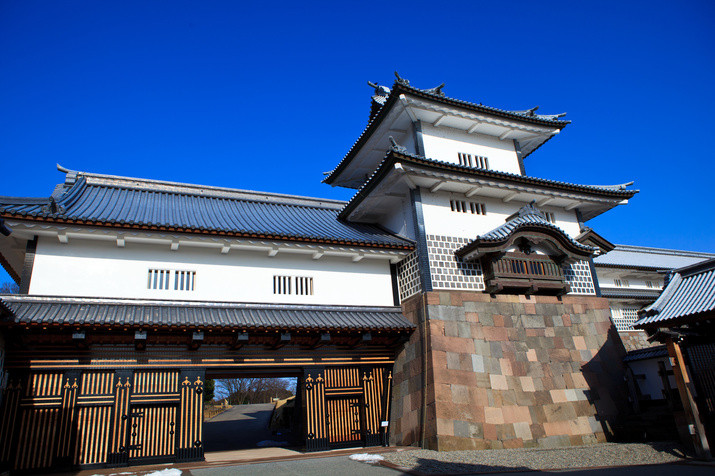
(649, 249)
(206, 190)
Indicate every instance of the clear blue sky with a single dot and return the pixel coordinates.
(269, 95)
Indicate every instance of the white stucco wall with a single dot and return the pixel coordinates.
(101, 269)
(649, 382)
(445, 143)
(400, 220)
(441, 220)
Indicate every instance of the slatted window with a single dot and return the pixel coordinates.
(550, 217)
(158, 279)
(165, 279)
(184, 280)
(463, 206)
(652, 284)
(621, 283)
(298, 285)
(468, 160)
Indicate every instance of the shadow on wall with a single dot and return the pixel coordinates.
(608, 393)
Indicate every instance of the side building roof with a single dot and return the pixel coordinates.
(689, 296)
(641, 257)
(95, 199)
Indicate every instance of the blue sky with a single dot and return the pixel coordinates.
(267, 96)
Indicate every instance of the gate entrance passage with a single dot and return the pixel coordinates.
(110, 395)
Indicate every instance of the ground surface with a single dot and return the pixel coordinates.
(240, 427)
(608, 454)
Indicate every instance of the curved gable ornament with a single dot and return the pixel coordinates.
(527, 231)
(526, 255)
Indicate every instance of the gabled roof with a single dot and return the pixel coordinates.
(641, 257)
(383, 104)
(527, 218)
(94, 199)
(140, 313)
(689, 296)
(393, 156)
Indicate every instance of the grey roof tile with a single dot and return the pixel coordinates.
(102, 199)
(23, 309)
(690, 292)
(627, 256)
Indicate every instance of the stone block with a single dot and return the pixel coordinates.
(477, 363)
(522, 430)
(498, 382)
(527, 384)
(452, 360)
(493, 416)
(460, 394)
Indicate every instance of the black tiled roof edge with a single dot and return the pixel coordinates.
(77, 182)
(393, 156)
(643, 294)
(398, 88)
(76, 311)
(647, 353)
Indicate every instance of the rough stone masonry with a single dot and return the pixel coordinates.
(507, 371)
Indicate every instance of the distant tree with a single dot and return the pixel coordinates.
(246, 390)
(9, 287)
(209, 390)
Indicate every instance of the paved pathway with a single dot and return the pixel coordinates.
(240, 427)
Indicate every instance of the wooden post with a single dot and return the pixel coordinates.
(686, 390)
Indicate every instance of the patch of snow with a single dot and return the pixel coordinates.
(165, 472)
(367, 458)
(271, 443)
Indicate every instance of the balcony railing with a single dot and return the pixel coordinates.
(522, 273)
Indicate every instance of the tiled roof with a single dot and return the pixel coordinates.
(393, 156)
(23, 309)
(120, 201)
(689, 294)
(626, 293)
(399, 88)
(647, 353)
(627, 256)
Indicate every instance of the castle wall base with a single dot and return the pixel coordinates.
(507, 371)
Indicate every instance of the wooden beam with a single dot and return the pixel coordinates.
(686, 391)
(358, 257)
(439, 120)
(510, 197)
(505, 134)
(473, 192)
(573, 205)
(120, 241)
(437, 186)
(174, 245)
(545, 201)
(318, 254)
(408, 109)
(273, 251)
(62, 236)
(474, 127)
(225, 248)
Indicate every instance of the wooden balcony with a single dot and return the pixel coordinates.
(519, 273)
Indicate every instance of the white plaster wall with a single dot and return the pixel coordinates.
(400, 220)
(652, 384)
(607, 279)
(441, 220)
(101, 269)
(445, 143)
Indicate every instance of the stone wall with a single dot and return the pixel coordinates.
(635, 339)
(509, 371)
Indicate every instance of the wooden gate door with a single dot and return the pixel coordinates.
(152, 416)
(153, 432)
(343, 418)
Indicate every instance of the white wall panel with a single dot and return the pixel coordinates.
(101, 269)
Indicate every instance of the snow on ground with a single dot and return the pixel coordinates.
(366, 458)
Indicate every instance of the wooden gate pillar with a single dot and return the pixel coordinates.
(8, 420)
(190, 446)
(118, 451)
(316, 437)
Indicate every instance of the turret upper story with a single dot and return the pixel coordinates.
(465, 162)
(120, 237)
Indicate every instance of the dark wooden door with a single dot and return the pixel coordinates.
(344, 421)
